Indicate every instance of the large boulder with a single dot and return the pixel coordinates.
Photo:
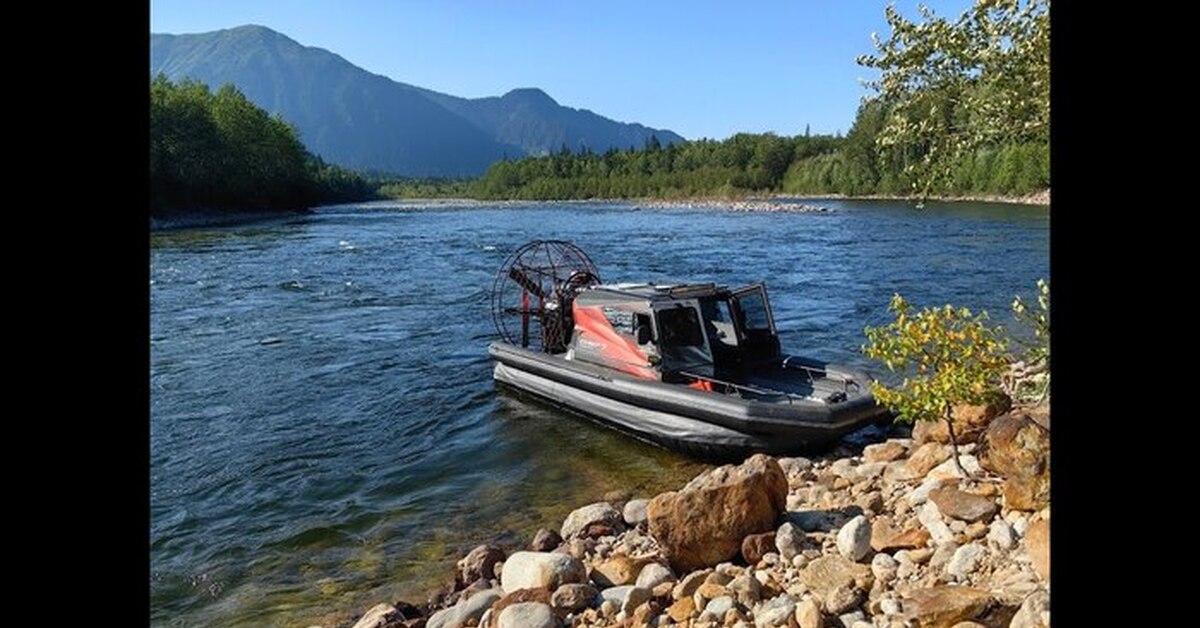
(970, 422)
(600, 515)
(703, 523)
(1018, 448)
(945, 606)
(549, 570)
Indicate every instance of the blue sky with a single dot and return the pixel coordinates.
(701, 68)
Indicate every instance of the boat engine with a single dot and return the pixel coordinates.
(534, 291)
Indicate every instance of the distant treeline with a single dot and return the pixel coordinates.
(757, 164)
(218, 151)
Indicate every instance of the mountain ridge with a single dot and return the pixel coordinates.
(367, 121)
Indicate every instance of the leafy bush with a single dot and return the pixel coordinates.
(946, 357)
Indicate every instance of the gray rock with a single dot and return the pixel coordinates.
(775, 612)
(884, 567)
(465, 610)
(789, 540)
(931, 518)
(943, 554)
(635, 511)
(574, 597)
(1001, 535)
(626, 597)
(889, 606)
(528, 615)
(843, 599)
(653, 575)
(793, 466)
(531, 570)
(719, 606)
(850, 619)
(869, 470)
(603, 513)
(843, 467)
(854, 539)
(965, 560)
(377, 617)
(920, 495)
(1034, 612)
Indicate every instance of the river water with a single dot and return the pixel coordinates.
(324, 431)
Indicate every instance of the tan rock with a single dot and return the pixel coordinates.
(926, 457)
(705, 522)
(884, 452)
(618, 570)
(952, 502)
(1018, 449)
(885, 537)
(808, 614)
(827, 573)
(710, 590)
(1037, 543)
(682, 609)
(688, 585)
(945, 606)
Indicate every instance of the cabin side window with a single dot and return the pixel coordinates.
(754, 311)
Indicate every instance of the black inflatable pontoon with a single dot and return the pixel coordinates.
(693, 367)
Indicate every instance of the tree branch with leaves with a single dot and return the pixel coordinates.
(945, 356)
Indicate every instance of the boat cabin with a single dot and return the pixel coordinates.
(674, 333)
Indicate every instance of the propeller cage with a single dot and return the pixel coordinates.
(534, 291)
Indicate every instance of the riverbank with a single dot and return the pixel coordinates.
(890, 534)
(196, 219)
(1041, 197)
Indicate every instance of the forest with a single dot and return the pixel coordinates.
(219, 152)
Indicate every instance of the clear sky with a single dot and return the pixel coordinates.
(702, 68)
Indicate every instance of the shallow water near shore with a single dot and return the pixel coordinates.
(324, 431)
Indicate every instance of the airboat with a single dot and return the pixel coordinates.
(694, 367)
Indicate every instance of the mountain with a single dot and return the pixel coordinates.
(366, 121)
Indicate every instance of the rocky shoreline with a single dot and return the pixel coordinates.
(890, 535)
(741, 205)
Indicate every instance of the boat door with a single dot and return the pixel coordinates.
(755, 322)
(681, 340)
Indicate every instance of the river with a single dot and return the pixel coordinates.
(324, 431)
